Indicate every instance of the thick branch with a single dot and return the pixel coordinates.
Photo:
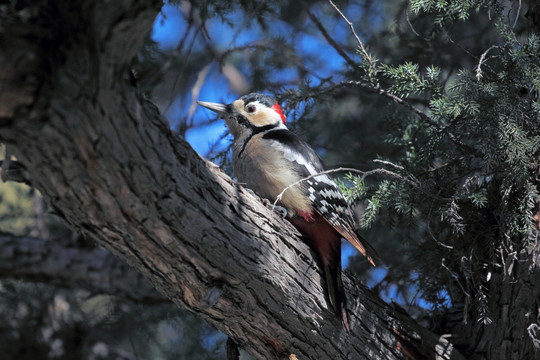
(108, 163)
(62, 264)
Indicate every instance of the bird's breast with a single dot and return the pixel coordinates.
(267, 172)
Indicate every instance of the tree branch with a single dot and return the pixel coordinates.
(61, 264)
(106, 160)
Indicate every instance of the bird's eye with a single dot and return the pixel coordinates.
(251, 109)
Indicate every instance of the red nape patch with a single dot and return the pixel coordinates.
(277, 109)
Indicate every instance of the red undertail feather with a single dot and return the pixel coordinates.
(325, 239)
(326, 242)
(307, 216)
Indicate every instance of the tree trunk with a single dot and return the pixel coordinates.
(513, 308)
(107, 162)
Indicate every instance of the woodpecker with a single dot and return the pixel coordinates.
(267, 157)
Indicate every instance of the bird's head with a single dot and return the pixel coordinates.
(251, 112)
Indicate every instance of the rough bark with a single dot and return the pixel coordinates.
(514, 310)
(60, 263)
(107, 162)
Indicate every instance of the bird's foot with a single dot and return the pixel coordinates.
(280, 210)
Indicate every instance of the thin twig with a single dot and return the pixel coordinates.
(517, 14)
(449, 38)
(183, 68)
(385, 162)
(534, 333)
(482, 59)
(364, 174)
(195, 91)
(417, 111)
(257, 46)
(398, 100)
(431, 232)
(150, 80)
(331, 40)
(378, 89)
(411, 26)
(455, 277)
(408, 105)
(365, 54)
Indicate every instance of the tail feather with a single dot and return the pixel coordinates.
(369, 251)
(357, 241)
(336, 291)
(325, 240)
(364, 248)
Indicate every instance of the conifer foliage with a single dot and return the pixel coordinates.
(466, 180)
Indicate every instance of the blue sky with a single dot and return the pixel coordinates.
(168, 30)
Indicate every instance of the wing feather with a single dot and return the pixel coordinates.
(324, 193)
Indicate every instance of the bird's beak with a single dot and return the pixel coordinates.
(219, 108)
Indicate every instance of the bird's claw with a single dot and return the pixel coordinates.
(281, 211)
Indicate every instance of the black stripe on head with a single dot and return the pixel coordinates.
(242, 120)
(263, 99)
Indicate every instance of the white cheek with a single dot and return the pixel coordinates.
(264, 117)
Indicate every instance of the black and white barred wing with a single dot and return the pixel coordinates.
(331, 204)
(323, 192)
